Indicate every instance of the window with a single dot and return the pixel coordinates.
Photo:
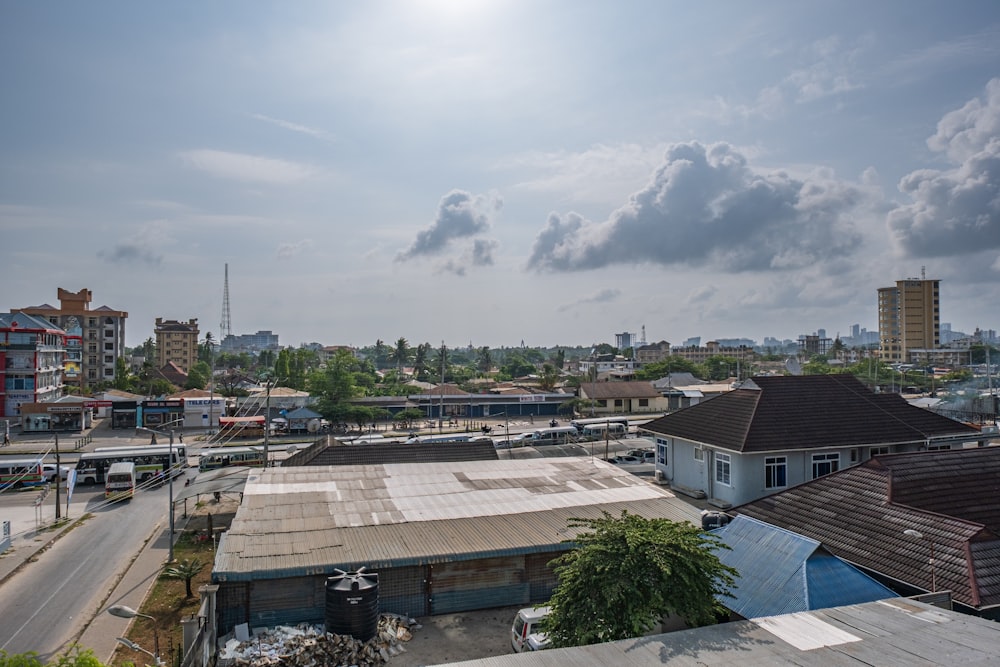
(602, 403)
(618, 403)
(775, 472)
(824, 464)
(643, 402)
(877, 451)
(661, 452)
(723, 469)
(699, 454)
(938, 448)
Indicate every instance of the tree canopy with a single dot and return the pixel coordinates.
(629, 572)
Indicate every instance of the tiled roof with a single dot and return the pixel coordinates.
(860, 514)
(605, 390)
(445, 390)
(776, 413)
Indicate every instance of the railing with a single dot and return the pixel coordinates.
(80, 443)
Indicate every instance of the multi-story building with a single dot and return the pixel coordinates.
(32, 352)
(652, 353)
(95, 338)
(176, 342)
(701, 354)
(262, 340)
(909, 318)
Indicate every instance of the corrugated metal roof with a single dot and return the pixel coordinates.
(889, 632)
(781, 572)
(307, 520)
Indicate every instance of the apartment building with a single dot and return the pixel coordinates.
(95, 338)
(909, 318)
(31, 362)
(176, 342)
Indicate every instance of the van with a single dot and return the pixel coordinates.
(525, 634)
(601, 431)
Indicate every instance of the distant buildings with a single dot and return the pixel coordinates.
(177, 343)
(262, 340)
(95, 339)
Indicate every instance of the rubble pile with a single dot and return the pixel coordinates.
(306, 645)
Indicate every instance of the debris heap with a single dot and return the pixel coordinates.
(306, 645)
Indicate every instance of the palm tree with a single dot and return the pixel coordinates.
(186, 570)
(401, 354)
(420, 361)
(484, 361)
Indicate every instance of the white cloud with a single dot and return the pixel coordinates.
(955, 211)
(248, 168)
(294, 127)
(705, 206)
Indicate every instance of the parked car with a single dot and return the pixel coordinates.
(624, 459)
(525, 634)
(645, 455)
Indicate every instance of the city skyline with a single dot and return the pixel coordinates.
(489, 172)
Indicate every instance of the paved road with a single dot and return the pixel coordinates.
(48, 603)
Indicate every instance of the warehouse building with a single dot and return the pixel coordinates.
(443, 536)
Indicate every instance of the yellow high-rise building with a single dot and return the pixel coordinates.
(909, 318)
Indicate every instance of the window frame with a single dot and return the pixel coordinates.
(823, 460)
(723, 469)
(772, 464)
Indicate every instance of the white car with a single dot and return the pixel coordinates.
(49, 471)
(525, 634)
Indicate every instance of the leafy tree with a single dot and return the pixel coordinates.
(206, 351)
(559, 359)
(186, 570)
(381, 354)
(74, 656)
(334, 385)
(361, 415)
(149, 350)
(441, 363)
(266, 359)
(484, 360)
(400, 354)
(409, 415)
(549, 377)
(517, 366)
(672, 364)
(605, 348)
(123, 377)
(420, 361)
(629, 572)
(717, 366)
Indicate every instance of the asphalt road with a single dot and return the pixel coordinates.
(45, 606)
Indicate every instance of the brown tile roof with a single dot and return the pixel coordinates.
(446, 390)
(605, 390)
(949, 497)
(776, 413)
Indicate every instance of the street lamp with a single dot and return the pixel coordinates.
(121, 611)
(170, 485)
(916, 534)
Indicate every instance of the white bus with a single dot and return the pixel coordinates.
(603, 431)
(556, 435)
(179, 449)
(120, 482)
(17, 473)
(93, 467)
(212, 459)
(581, 424)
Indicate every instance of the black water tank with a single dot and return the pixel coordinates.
(711, 520)
(352, 604)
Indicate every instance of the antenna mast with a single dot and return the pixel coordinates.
(226, 326)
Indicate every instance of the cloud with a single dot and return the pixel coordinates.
(607, 295)
(480, 253)
(460, 215)
(249, 168)
(294, 127)
(290, 250)
(955, 211)
(705, 206)
(131, 252)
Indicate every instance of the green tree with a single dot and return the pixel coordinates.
(420, 361)
(484, 360)
(605, 348)
(74, 656)
(629, 572)
(549, 377)
(124, 380)
(441, 364)
(381, 354)
(206, 349)
(334, 385)
(400, 354)
(361, 415)
(517, 366)
(718, 367)
(672, 364)
(186, 570)
(409, 415)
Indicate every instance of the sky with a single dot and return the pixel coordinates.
(487, 172)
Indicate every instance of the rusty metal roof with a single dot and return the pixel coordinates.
(308, 520)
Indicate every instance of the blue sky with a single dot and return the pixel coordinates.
(488, 172)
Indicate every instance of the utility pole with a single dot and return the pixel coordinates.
(58, 474)
(267, 424)
(170, 484)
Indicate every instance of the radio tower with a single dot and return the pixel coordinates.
(226, 326)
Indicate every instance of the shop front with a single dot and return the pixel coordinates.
(54, 418)
(158, 414)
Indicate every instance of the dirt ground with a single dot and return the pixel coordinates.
(457, 637)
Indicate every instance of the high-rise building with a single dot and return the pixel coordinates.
(909, 318)
(95, 339)
(176, 342)
(32, 350)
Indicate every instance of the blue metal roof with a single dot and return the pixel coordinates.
(781, 572)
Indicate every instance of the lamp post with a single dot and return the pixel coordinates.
(916, 534)
(170, 486)
(121, 611)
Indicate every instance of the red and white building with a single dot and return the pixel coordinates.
(32, 354)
